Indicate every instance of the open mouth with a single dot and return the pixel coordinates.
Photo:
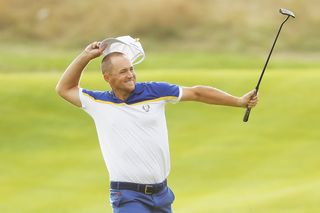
(130, 82)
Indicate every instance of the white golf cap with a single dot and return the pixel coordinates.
(127, 45)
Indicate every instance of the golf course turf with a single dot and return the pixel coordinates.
(51, 162)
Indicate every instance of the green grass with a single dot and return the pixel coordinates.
(51, 162)
(36, 58)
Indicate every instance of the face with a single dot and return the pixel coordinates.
(122, 77)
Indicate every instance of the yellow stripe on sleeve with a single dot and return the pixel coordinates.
(165, 98)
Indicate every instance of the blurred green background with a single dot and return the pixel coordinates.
(49, 152)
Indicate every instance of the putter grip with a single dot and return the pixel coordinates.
(246, 115)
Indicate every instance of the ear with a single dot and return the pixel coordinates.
(106, 77)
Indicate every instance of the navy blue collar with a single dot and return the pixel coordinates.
(139, 87)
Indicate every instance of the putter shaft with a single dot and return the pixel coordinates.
(248, 110)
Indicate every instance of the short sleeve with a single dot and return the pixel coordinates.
(86, 100)
(170, 92)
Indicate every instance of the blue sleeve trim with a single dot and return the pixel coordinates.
(143, 92)
(162, 89)
(101, 95)
(153, 90)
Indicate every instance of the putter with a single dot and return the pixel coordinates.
(289, 14)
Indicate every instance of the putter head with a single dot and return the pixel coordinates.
(286, 12)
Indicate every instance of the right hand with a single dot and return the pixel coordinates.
(94, 49)
(250, 99)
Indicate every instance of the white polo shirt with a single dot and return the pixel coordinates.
(133, 133)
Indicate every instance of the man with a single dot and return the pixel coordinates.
(131, 126)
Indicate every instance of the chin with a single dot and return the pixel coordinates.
(131, 87)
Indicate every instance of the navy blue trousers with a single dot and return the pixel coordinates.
(127, 201)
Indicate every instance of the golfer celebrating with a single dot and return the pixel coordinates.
(131, 124)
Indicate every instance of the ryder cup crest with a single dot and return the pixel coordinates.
(146, 107)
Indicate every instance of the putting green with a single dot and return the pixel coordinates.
(51, 162)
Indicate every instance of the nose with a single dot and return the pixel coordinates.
(131, 74)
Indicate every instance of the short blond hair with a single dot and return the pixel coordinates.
(106, 63)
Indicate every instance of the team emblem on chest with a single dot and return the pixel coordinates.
(146, 107)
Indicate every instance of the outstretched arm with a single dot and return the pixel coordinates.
(210, 95)
(68, 85)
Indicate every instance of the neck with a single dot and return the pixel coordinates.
(122, 95)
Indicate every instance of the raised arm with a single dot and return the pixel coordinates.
(210, 95)
(68, 85)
